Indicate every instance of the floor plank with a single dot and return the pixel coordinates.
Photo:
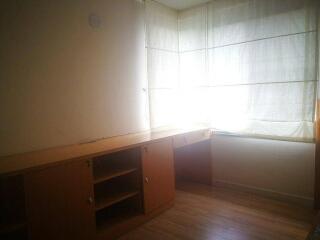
(211, 213)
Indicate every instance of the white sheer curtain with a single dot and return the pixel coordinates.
(245, 66)
(162, 63)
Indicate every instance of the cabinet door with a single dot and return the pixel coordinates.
(193, 162)
(59, 202)
(158, 173)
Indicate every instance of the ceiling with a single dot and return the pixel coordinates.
(181, 4)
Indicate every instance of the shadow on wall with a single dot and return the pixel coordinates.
(282, 167)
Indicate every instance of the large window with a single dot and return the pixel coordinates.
(163, 63)
(239, 66)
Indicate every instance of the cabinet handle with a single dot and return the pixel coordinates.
(90, 200)
(145, 149)
(146, 179)
(88, 163)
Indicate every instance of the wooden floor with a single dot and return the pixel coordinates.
(203, 212)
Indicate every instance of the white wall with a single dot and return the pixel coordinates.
(276, 166)
(63, 82)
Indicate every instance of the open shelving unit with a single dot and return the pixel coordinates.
(114, 198)
(117, 187)
(12, 208)
(102, 176)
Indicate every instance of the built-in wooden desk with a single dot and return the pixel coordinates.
(93, 190)
(22, 162)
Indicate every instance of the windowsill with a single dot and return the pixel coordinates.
(230, 134)
(261, 137)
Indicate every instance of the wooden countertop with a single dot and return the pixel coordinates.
(26, 161)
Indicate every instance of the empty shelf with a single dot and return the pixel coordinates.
(119, 218)
(6, 229)
(103, 175)
(107, 201)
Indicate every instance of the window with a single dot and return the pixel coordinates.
(239, 66)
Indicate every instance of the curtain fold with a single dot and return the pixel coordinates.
(162, 63)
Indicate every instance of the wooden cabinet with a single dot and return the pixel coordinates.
(59, 202)
(12, 208)
(158, 174)
(130, 179)
(191, 138)
(193, 162)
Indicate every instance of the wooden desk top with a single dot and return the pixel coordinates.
(26, 161)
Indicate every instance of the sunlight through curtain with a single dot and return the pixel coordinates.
(239, 66)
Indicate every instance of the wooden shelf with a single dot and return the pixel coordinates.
(117, 187)
(120, 218)
(107, 201)
(103, 175)
(10, 228)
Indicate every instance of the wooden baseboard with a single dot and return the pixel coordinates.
(299, 200)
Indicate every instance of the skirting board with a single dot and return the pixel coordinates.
(303, 201)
